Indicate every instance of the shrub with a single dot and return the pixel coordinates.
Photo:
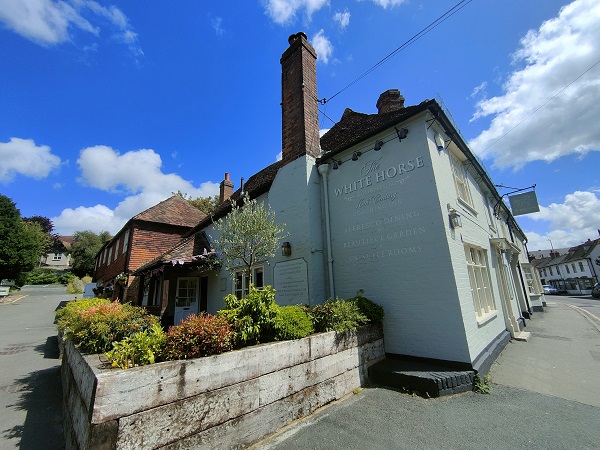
(199, 335)
(41, 276)
(252, 317)
(95, 324)
(75, 285)
(338, 315)
(138, 350)
(292, 322)
(369, 308)
(65, 278)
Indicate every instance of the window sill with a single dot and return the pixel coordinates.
(468, 207)
(486, 318)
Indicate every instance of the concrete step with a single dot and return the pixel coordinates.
(425, 378)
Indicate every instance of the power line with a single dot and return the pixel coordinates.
(540, 107)
(460, 5)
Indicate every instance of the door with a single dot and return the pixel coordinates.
(186, 298)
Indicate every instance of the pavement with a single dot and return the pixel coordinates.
(30, 386)
(545, 394)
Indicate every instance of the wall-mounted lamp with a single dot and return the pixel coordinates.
(356, 155)
(439, 142)
(455, 220)
(336, 164)
(286, 249)
(378, 145)
(402, 133)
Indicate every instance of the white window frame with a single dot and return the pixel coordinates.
(116, 254)
(533, 285)
(57, 257)
(125, 241)
(461, 181)
(480, 282)
(241, 284)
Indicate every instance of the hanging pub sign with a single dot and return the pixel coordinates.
(523, 203)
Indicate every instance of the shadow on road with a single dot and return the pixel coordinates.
(41, 397)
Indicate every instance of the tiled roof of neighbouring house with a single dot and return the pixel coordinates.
(355, 127)
(173, 211)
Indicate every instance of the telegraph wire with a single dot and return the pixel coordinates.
(539, 107)
(456, 8)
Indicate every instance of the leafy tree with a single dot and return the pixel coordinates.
(204, 204)
(22, 243)
(84, 248)
(55, 244)
(248, 235)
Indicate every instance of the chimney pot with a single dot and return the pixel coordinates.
(390, 100)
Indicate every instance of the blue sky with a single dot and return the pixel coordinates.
(106, 108)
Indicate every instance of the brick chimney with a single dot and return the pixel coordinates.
(226, 189)
(390, 100)
(299, 109)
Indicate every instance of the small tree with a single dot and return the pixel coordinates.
(21, 243)
(204, 204)
(248, 235)
(84, 248)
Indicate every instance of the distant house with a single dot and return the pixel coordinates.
(59, 258)
(574, 271)
(143, 238)
(394, 203)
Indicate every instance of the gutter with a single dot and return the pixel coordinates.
(324, 171)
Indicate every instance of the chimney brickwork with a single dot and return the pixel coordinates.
(299, 108)
(226, 189)
(390, 100)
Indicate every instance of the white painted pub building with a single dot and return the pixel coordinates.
(393, 203)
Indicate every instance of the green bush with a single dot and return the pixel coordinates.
(138, 350)
(198, 336)
(252, 317)
(65, 278)
(337, 315)
(42, 276)
(369, 308)
(292, 322)
(94, 324)
(75, 286)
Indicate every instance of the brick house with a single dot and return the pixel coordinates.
(394, 203)
(144, 237)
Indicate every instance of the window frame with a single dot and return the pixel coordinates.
(461, 180)
(241, 284)
(480, 282)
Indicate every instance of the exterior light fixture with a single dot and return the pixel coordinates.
(402, 133)
(439, 142)
(455, 220)
(378, 145)
(356, 155)
(336, 165)
(286, 249)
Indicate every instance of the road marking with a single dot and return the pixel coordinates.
(12, 301)
(585, 314)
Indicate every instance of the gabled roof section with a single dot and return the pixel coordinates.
(173, 211)
(192, 249)
(355, 127)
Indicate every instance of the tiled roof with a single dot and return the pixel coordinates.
(196, 244)
(355, 127)
(256, 185)
(173, 211)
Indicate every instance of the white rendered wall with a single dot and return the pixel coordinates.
(389, 239)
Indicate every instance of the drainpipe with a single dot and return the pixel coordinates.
(324, 171)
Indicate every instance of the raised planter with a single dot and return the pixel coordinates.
(225, 401)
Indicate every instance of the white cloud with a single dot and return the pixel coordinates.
(322, 46)
(385, 4)
(342, 18)
(22, 156)
(51, 22)
(571, 222)
(217, 23)
(479, 91)
(527, 123)
(284, 11)
(136, 174)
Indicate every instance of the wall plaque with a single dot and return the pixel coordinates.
(290, 280)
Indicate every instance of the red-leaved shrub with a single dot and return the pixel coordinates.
(199, 335)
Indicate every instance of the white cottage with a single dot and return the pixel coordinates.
(393, 203)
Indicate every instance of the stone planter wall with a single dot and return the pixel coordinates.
(224, 401)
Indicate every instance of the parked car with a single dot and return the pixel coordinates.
(596, 290)
(550, 289)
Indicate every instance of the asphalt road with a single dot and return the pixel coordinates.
(545, 394)
(30, 388)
